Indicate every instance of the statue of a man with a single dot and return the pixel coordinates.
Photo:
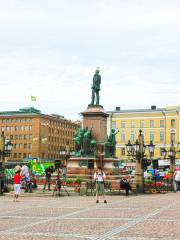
(96, 88)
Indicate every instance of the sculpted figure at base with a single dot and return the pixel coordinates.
(85, 145)
(96, 88)
(110, 145)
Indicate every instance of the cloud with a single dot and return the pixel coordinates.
(51, 49)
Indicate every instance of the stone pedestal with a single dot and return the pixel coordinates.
(79, 166)
(95, 118)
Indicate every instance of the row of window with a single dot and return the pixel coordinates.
(63, 132)
(16, 128)
(133, 137)
(142, 124)
(22, 155)
(62, 125)
(28, 155)
(15, 120)
(20, 137)
(21, 145)
(123, 152)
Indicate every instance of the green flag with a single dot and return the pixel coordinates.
(33, 98)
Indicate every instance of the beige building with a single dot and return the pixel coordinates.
(37, 135)
(161, 125)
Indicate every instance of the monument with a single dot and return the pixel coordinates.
(93, 147)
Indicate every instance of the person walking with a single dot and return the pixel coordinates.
(177, 180)
(48, 179)
(99, 177)
(17, 185)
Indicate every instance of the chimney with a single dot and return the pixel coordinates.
(118, 108)
(153, 107)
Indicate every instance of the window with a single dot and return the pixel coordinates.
(161, 136)
(20, 155)
(21, 128)
(123, 137)
(24, 155)
(123, 124)
(16, 137)
(16, 145)
(30, 128)
(29, 155)
(123, 151)
(172, 123)
(20, 145)
(151, 136)
(133, 125)
(161, 123)
(15, 155)
(173, 136)
(113, 125)
(151, 123)
(30, 136)
(26, 128)
(30, 146)
(20, 137)
(142, 124)
(16, 128)
(132, 137)
(25, 145)
(26, 136)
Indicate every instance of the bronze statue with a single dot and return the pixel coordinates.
(96, 88)
(85, 145)
(110, 145)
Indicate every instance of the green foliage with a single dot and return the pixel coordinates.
(116, 171)
(78, 180)
(69, 180)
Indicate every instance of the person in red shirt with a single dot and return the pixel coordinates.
(17, 185)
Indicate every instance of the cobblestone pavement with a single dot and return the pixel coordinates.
(138, 217)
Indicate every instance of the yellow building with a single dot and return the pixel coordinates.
(161, 125)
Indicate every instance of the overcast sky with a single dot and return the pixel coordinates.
(51, 48)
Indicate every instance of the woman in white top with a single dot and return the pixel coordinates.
(177, 180)
(100, 176)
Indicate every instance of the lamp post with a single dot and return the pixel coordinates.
(172, 156)
(137, 150)
(5, 151)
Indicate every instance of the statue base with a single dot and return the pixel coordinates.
(85, 167)
(95, 119)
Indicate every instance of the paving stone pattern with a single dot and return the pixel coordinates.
(137, 217)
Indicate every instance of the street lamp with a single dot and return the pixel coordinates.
(151, 148)
(137, 150)
(5, 151)
(172, 156)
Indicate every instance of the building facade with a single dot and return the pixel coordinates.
(37, 135)
(161, 125)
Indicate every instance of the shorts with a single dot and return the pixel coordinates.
(100, 188)
(17, 189)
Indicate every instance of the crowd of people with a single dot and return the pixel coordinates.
(23, 177)
(26, 179)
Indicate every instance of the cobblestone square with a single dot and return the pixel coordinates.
(137, 217)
